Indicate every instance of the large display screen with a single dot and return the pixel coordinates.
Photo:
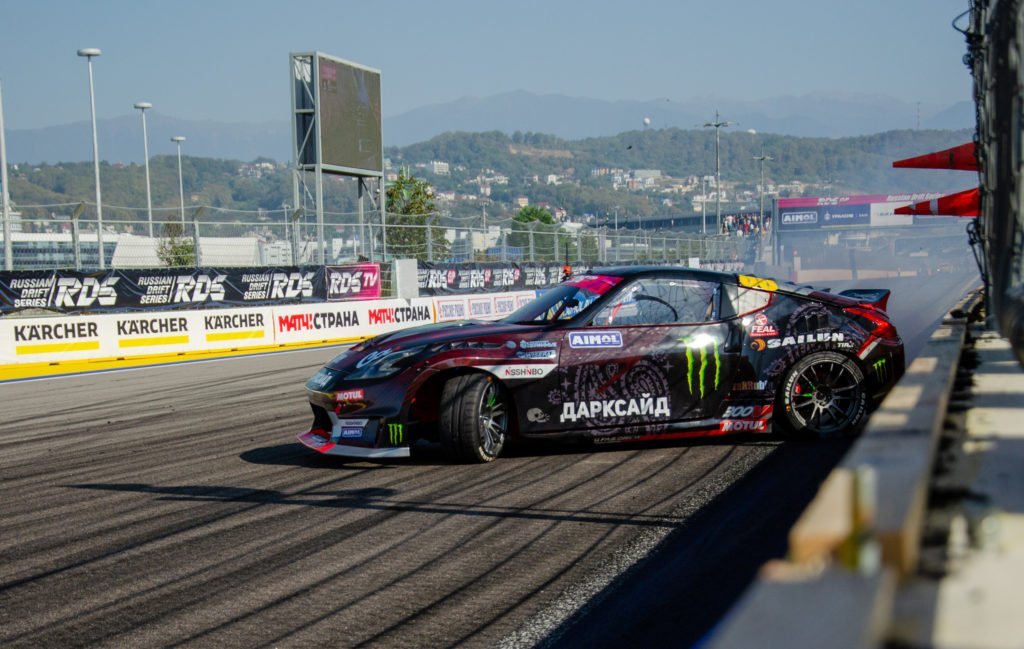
(350, 116)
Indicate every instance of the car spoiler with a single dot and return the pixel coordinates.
(876, 297)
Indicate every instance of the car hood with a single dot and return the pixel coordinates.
(432, 334)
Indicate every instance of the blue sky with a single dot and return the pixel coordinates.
(226, 60)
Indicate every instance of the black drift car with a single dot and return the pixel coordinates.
(621, 354)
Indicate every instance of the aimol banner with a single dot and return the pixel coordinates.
(823, 212)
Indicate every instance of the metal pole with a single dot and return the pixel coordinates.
(718, 124)
(383, 219)
(718, 181)
(319, 174)
(142, 106)
(5, 198)
(76, 245)
(195, 237)
(89, 53)
(178, 139)
(430, 240)
(703, 206)
(359, 211)
(762, 158)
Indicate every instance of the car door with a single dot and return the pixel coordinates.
(655, 354)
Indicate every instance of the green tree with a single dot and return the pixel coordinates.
(543, 225)
(411, 215)
(173, 249)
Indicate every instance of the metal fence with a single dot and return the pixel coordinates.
(995, 47)
(66, 236)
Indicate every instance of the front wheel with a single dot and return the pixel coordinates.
(823, 396)
(474, 418)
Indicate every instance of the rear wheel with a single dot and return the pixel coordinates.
(823, 396)
(474, 418)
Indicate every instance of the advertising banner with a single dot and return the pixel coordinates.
(353, 282)
(816, 212)
(438, 278)
(69, 291)
(123, 335)
(480, 307)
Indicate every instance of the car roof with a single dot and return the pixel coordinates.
(683, 272)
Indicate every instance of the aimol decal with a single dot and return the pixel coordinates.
(595, 340)
(317, 321)
(398, 315)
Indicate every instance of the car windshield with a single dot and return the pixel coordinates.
(564, 301)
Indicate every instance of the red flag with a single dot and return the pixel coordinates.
(959, 157)
(965, 203)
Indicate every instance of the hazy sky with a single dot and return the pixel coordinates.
(226, 60)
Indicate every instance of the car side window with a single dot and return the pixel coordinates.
(738, 300)
(661, 301)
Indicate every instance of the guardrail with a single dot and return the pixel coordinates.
(861, 534)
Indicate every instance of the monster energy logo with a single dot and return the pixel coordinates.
(396, 433)
(879, 367)
(697, 363)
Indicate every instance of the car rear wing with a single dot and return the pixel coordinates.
(876, 297)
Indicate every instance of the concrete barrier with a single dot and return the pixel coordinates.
(48, 346)
(861, 533)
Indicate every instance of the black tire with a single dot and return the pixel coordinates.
(822, 395)
(474, 417)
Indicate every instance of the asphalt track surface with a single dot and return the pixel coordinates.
(172, 507)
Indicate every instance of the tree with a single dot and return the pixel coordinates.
(173, 249)
(543, 226)
(411, 213)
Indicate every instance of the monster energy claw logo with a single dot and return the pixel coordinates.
(697, 380)
(396, 433)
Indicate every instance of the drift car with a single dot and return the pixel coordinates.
(622, 354)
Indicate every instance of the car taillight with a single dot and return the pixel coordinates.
(882, 327)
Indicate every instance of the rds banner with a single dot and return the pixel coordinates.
(69, 291)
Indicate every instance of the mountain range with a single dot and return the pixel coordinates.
(820, 115)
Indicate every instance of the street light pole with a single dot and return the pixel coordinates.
(178, 139)
(762, 159)
(89, 53)
(5, 197)
(703, 206)
(143, 106)
(718, 124)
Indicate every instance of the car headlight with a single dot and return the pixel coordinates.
(386, 364)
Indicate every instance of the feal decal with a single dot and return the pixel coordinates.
(701, 351)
